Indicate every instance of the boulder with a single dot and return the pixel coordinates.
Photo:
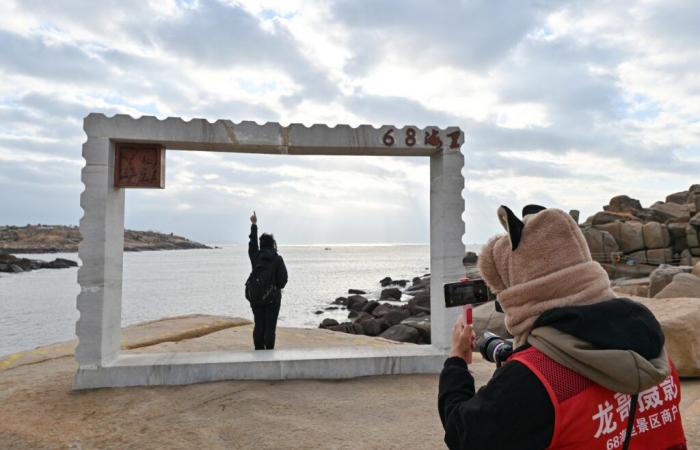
(672, 211)
(656, 235)
(696, 269)
(660, 256)
(356, 291)
(695, 188)
(340, 301)
(601, 244)
(575, 214)
(386, 281)
(682, 285)
(317, 312)
(363, 317)
(374, 327)
(638, 257)
(356, 302)
(686, 258)
(58, 263)
(486, 318)
(331, 308)
(607, 217)
(631, 237)
(661, 277)
(15, 268)
(623, 204)
(691, 236)
(396, 316)
(383, 309)
(401, 283)
(390, 294)
(680, 321)
(421, 298)
(370, 306)
(680, 198)
(613, 228)
(695, 220)
(401, 333)
(326, 323)
(422, 324)
(677, 229)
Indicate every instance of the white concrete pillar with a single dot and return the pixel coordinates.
(101, 250)
(446, 246)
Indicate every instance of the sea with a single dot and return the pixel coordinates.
(38, 308)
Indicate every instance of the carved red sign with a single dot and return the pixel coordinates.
(139, 166)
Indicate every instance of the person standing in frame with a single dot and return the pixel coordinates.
(264, 285)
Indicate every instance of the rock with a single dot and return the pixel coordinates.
(660, 256)
(401, 333)
(58, 263)
(401, 283)
(607, 217)
(623, 204)
(682, 285)
(656, 235)
(680, 198)
(673, 211)
(384, 282)
(331, 308)
(327, 323)
(356, 302)
(415, 309)
(680, 321)
(613, 228)
(661, 277)
(370, 306)
(417, 281)
(691, 236)
(695, 188)
(353, 314)
(677, 229)
(601, 244)
(486, 318)
(347, 327)
(356, 291)
(696, 269)
(422, 324)
(638, 257)
(15, 268)
(396, 316)
(631, 237)
(390, 294)
(695, 251)
(686, 258)
(384, 309)
(575, 214)
(422, 298)
(363, 317)
(470, 258)
(318, 312)
(340, 301)
(374, 327)
(695, 220)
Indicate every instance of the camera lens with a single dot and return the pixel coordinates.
(494, 348)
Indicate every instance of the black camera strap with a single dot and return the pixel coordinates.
(630, 421)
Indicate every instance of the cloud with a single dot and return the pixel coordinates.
(563, 103)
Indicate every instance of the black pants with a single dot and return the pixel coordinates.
(265, 325)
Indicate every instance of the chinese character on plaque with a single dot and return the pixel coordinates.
(139, 166)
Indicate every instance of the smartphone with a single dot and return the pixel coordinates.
(466, 292)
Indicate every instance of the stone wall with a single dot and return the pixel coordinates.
(664, 233)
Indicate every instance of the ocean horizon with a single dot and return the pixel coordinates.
(39, 306)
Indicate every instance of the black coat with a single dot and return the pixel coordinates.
(270, 254)
(513, 410)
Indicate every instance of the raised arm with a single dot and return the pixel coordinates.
(253, 243)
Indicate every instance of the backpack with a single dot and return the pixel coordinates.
(260, 288)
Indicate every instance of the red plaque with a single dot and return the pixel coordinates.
(139, 166)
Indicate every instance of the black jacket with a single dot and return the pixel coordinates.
(513, 411)
(270, 254)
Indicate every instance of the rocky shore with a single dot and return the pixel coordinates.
(65, 239)
(12, 264)
(388, 315)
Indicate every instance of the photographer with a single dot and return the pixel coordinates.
(589, 370)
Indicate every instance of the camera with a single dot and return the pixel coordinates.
(494, 348)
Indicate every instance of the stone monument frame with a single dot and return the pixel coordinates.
(100, 362)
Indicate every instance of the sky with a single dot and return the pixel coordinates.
(563, 103)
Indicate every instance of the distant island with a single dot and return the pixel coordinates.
(65, 239)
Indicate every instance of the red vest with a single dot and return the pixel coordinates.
(589, 416)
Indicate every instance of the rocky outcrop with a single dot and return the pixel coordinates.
(626, 233)
(662, 276)
(65, 239)
(12, 264)
(682, 285)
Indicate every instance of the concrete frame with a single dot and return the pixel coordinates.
(102, 227)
